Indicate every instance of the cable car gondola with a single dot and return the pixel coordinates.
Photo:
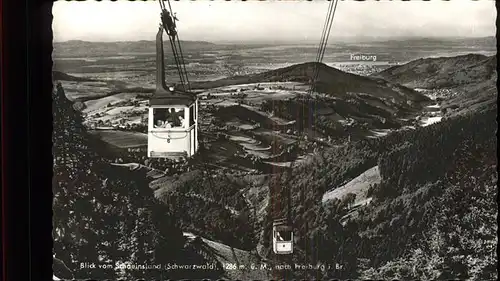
(282, 237)
(173, 115)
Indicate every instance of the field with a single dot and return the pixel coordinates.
(358, 186)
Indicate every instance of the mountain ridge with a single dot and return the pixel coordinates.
(101, 49)
(349, 39)
(436, 72)
(124, 41)
(330, 80)
(464, 83)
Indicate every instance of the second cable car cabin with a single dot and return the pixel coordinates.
(282, 237)
(172, 117)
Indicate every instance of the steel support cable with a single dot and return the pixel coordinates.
(324, 40)
(329, 20)
(177, 62)
(331, 12)
(323, 35)
(324, 43)
(322, 51)
(174, 50)
(180, 58)
(318, 55)
(169, 6)
(324, 30)
(329, 29)
(328, 32)
(318, 60)
(176, 57)
(180, 55)
(183, 63)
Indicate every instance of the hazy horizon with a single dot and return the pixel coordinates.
(273, 21)
(312, 42)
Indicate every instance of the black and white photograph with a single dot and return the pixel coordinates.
(274, 140)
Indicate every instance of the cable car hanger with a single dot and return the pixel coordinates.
(168, 19)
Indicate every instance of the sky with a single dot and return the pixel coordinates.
(268, 21)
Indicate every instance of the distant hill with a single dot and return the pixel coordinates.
(471, 78)
(440, 41)
(83, 42)
(352, 103)
(95, 49)
(441, 72)
(330, 81)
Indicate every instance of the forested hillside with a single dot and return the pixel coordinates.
(210, 203)
(464, 83)
(443, 72)
(107, 215)
(433, 215)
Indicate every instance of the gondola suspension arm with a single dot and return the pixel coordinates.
(168, 21)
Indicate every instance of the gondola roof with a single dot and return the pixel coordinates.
(175, 97)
